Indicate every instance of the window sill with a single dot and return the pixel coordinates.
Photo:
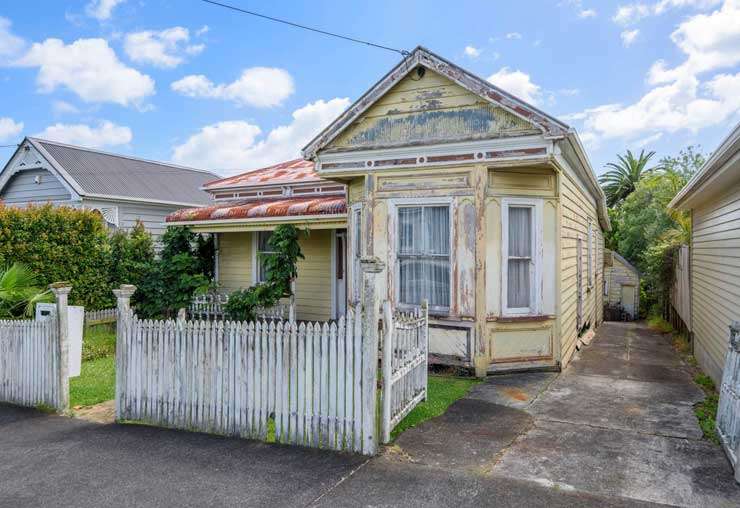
(520, 319)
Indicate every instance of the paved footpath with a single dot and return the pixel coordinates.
(615, 429)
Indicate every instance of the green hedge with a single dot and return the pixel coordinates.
(60, 244)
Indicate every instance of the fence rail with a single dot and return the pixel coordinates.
(728, 412)
(312, 379)
(405, 354)
(97, 317)
(213, 306)
(32, 364)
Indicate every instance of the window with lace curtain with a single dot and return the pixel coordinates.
(424, 255)
(263, 248)
(521, 256)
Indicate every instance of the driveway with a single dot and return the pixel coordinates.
(615, 429)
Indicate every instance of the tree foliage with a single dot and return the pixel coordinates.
(172, 280)
(281, 267)
(20, 291)
(622, 179)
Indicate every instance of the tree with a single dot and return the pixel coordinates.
(622, 179)
(20, 291)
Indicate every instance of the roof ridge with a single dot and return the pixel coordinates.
(121, 156)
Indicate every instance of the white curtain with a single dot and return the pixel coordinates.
(424, 255)
(520, 257)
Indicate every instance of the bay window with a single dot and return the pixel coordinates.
(521, 256)
(424, 255)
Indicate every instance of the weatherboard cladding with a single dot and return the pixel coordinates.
(104, 174)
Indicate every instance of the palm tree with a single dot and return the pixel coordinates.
(621, 180)
(19, 292)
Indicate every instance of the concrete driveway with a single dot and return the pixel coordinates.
(615, 429)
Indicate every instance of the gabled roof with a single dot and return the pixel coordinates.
(549, 125)
(96, 174)
(288, 172)
(626, 263)
(714, 174)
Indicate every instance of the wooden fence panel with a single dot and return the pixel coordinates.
(30, 363)
(241, 378)
(728, 412)
(97, 317)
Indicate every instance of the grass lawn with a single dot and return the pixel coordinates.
(96, 383)
(443, 391)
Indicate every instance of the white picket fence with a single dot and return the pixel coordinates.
(213, 305)
(96, 317)
(315, 382)
(405, 342)
(29, 363)
(728, 412)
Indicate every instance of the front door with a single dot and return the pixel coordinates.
(340, 267)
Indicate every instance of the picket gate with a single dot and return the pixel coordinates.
(405, 341)
(308, 381)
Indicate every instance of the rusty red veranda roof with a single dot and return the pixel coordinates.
(292, 171)
(329, 205)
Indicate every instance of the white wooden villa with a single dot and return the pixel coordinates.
(474, 199)
(123, 189)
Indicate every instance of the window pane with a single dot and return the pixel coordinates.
(520, 231)
(438, 288)
(263, 239)
(437, 225)
(411, 273)
(410, 230)
(518, 290)
(422, 278)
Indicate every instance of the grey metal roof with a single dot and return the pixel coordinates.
(102, 174)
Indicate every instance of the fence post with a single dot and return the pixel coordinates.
(61, 291)
(123, 297)
(425, 375)
(371, 266)
(387, 363)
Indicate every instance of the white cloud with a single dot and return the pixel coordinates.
(632, 13)
(587, 13)
(10, 45)
(517, 83)
(513, 35)
(569, 92)
(202, 30)
(472, 51)
(629, 37)
(9, 128)
(683, 104)
(257, 86)
(89, 68)
(104, 134)
(641, 143)
(234, 146)
(101, 9)
(63, 108)
(161, 49)
(710, 41)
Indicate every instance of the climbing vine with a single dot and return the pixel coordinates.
(281, 267)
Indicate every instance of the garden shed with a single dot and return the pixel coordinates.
(621, 286)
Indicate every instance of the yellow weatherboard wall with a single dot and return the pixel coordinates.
(313, 286)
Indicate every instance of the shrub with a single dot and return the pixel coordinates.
(60, 244)
(281, 267)
(132, 256)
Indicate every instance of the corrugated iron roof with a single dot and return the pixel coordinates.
(105, 174)
(330, 205)
(292, 171)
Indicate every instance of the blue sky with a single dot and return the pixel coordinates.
(204, 86)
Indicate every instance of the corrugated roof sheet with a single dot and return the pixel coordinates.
(108, 174)
(329, 205)
(293, 171)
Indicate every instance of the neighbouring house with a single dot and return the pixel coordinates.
(474, 199)
(123, 189)
(712, 197)
(621, 285)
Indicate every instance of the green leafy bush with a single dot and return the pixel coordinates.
(281, 267)
(132, 256)
(60, 244)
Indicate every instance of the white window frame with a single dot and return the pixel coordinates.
(255, 256)
(393, 207)
(355, 251)
(535, 295)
